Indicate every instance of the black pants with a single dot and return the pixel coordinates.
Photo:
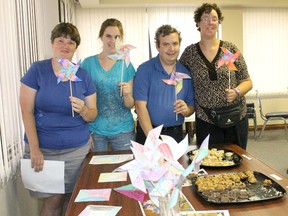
(237, 134)
(176, 132)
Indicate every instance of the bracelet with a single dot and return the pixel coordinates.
(83, 113)
(237, 90)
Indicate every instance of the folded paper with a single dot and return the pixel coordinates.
(93, 195)
(132, 192)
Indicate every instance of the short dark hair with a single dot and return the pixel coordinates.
(165, 30)
(207, 8)
(111, 22)
(64, 30)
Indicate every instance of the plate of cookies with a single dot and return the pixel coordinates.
(218, 158)
(242, 187)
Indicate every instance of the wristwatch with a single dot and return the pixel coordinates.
(237, 90)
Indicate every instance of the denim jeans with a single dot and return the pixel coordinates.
(116, 142)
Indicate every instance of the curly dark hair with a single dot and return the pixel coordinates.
(66, 29)
(165, 30)
(207, 8)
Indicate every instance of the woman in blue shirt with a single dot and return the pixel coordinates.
(56, 123)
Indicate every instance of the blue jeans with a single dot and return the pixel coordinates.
(120, 141)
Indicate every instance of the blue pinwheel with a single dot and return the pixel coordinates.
(68, 71)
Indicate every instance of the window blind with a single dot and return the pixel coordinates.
(19, 44)
(88, 22)
(265, 48)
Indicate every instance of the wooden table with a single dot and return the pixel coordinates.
(89, 175)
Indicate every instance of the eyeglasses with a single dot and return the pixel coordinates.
(207, 20)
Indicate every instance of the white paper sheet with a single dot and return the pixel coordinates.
(110, 159)
(206, 213)
(49, 180)
(100, 210)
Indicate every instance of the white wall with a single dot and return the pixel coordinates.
(50, 19)
(233, 19)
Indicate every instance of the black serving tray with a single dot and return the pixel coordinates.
(261, 193)
(237, 159)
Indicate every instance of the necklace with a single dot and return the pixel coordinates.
(170, 71)
(173, 68)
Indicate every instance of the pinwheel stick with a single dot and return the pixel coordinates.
(159, 192)
(71, 96)
(229, 85)
(176, 100)
(176, 192)
(121, 80)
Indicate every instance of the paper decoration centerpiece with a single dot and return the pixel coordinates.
(194, 166)
(155, 169)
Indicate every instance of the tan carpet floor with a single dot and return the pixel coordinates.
(272, 149)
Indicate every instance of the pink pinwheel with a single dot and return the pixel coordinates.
(68, 70)
(228, 59)
(122, 53)
(201, 154)
(176, 79)
(194, 166)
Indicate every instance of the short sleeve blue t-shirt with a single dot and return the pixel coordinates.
(160, 97)
(56, 128)
(113, 116)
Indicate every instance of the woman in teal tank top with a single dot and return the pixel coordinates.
(114, 126)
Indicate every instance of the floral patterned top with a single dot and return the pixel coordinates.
(210, 81)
